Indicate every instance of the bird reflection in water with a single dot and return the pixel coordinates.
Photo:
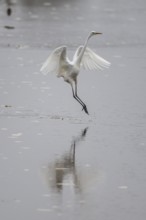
(63, 171)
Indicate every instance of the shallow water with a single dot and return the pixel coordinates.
(57, 162)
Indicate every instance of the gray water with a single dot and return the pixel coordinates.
(56, 162)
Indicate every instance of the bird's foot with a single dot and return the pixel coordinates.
(85, 109)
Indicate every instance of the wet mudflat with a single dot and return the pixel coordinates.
(56, 162)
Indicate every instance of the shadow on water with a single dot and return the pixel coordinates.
(34, 3)
(9, 4)
(63, 170)
(44, 2)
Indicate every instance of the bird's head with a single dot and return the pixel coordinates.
(94, 33)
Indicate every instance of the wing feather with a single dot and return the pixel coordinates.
(52, 64)
(91, 60)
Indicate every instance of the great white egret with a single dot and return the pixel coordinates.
(59, 63)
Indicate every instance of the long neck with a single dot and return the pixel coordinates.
(81, 54)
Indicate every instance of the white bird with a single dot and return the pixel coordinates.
(59, 63)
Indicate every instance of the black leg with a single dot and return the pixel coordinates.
(83, 104)
(78, 99)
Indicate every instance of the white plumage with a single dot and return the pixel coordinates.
(91, 60)
(59, 63)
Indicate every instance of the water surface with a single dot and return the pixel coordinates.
(57, 162)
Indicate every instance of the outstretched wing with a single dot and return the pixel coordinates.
(91, 60)
(52, 64)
